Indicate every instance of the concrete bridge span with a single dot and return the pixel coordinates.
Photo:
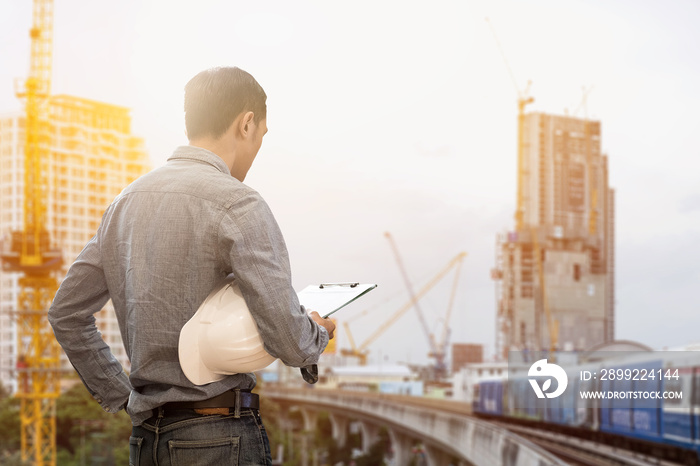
(449, 434)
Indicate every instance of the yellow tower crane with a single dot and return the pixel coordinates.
(523, 100)
(520, 227)
(438, 350)
(362, 351)
(32, 255)
(552, 324)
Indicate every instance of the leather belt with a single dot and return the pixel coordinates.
(234, 400)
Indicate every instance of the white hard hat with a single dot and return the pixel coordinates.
(221, 338)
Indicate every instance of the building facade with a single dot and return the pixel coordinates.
(92, 157)
(466, 353)
(555, 273)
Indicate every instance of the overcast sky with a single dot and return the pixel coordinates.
(401, 117)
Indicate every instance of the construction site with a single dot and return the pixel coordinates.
(62, 161)
(64, 158)
(555, 271)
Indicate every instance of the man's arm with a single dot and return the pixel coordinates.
(250, 242)
(83, 293)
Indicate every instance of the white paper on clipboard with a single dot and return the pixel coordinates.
(327, 298)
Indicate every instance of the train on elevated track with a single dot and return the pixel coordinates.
(647, 402)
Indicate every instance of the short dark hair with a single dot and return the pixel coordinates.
(215, 97)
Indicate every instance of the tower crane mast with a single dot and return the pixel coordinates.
(523, 100)
(437, 350)
(416, 305)
(32, 255)
(361, 351)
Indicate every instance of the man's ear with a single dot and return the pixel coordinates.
(246, 124)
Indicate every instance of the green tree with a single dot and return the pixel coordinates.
(4, 393)
(13, 459)
(86, 431)
(73, 409)
(83, 430)
(10, 432)
(377, 452)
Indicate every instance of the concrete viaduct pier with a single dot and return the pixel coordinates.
(446, 434)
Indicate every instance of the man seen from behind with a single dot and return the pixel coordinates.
(162, 246)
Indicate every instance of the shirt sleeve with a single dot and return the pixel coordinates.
(83, 293)
(251, 243)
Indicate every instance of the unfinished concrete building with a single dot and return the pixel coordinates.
(555, 271)
(93, 156)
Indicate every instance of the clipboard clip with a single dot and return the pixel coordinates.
(351, 284)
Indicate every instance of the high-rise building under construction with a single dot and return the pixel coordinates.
(93, 156)
(555, 272)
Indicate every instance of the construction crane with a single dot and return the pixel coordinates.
(32, 255)
(361, 355)
(552, 325)
(416, 304)
(523, 101)
(438, 350)
(361, 351)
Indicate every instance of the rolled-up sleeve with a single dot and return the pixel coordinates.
(83, 293)
(252, 244)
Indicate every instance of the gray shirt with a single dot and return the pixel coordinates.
(162, 246)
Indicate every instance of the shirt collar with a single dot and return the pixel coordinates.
(200, 155)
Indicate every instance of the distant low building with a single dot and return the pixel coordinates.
(390, 378)
(465, 379)
(411, 387)
(466, 353)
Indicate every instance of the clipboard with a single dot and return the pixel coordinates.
(330, 297)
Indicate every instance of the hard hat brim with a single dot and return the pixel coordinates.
(191, 361)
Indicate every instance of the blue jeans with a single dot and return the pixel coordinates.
(185, 438)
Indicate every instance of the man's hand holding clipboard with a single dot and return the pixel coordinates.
(327, 298)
